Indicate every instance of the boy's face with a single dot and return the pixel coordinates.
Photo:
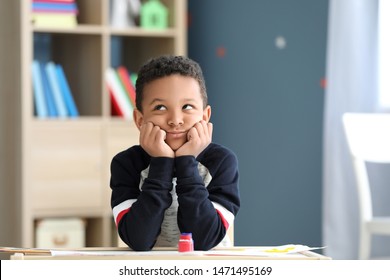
(175, 104)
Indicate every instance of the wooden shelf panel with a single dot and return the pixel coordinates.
(99, 30)
(67, 169)
(140, 32)
(82, 29)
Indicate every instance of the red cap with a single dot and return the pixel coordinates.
(186, 235)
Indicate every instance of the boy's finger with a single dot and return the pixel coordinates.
(161, 135)
(201, 127)
(192, 133)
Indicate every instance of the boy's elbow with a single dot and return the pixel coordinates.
(140, 245)
(205, 245)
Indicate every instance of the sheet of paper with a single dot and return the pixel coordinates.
(265, 251)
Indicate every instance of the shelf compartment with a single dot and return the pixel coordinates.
(91, 11)
(81, 58)
(169, 4)
(133, 52)
(93, 231)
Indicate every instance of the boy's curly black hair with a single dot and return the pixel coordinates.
(167, 65)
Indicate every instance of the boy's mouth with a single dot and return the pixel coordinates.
(176, 134)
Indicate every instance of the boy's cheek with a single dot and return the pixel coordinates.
(153, 121)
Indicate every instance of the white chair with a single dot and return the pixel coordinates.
(368, 138)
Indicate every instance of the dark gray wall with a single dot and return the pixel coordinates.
(268, 107)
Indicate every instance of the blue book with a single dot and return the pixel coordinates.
(51, 106)
(66, 92)
(65, 7)
(55, 89)
(39, 95)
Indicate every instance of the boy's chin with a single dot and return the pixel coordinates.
(175, 145)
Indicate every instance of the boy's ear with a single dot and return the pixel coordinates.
(207, 113)
(138, 118)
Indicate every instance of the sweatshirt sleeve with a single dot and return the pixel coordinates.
(138, 214)
(207, 211)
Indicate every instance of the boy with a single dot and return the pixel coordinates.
(176, 180)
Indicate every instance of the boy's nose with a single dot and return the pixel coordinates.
(175, 119)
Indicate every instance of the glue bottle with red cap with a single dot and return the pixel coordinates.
(186, 244)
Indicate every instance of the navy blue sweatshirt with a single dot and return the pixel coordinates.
(154, 199)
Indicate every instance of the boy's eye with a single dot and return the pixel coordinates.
(160, 108)
(188, 107)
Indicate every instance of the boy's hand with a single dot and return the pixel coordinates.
(152, 140)
(199, 137)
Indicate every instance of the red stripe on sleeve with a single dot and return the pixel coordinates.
(120, 215)
(224, 222)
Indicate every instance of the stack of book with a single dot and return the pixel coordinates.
(54, 13)
(121, 88)
(52, 94)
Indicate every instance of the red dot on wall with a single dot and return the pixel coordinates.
(221, 51)
(323, 83)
